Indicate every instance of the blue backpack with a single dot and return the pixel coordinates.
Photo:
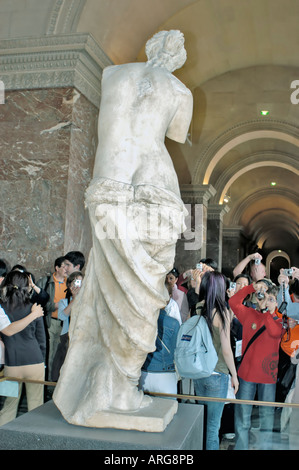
(195, 355)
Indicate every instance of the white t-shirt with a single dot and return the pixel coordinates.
(4, 320)
(172, 309)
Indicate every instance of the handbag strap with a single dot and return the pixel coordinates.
(252, 339)
(164, 345)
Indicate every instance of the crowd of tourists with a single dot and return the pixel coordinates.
(252, 319)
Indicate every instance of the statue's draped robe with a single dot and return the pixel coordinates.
(114, 318)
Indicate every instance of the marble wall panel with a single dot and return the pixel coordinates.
(47, 148)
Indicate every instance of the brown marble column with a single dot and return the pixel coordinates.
(47, 148)
(48, 139)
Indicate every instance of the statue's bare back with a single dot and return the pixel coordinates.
(140, 105)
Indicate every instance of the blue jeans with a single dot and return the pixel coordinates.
(214, 386)
(247, 391)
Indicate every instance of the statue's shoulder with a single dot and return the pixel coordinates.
(123, 68)
(178, 86)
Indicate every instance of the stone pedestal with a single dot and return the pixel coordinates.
(152, 418)
(45, 429)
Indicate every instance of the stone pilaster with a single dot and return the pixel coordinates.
(231, 249)
(214, 232)
(192, 245)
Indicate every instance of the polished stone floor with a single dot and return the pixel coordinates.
(281, 439)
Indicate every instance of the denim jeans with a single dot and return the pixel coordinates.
(214, 386)
(247, 391)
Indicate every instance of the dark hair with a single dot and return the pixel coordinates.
(175, 272)
(75, 257)
(273, 290)
(14, 289)
(212, 291)
(268, 282)
(58, 262)
(3, 268)
(69, 281)
(210, 262)
(246, 276)
(19, 267)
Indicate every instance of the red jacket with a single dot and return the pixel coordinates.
(261, 360)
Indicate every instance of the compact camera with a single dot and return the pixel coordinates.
(78, 282)
(260, 295)
(257, 261)
(288, 272)
(232, 286)
(199, 266)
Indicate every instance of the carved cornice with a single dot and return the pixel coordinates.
(232, 232)
(54, 61)
(217, 211)
(197, 193)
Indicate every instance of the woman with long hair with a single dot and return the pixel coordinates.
(24, 351)
(213, 307)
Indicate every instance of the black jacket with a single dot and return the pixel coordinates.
(29, 345)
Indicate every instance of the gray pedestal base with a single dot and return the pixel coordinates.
(45, 429)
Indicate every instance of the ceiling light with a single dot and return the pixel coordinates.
(273, 183)
(264, 112)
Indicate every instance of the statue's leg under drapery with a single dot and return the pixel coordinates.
(114, 319)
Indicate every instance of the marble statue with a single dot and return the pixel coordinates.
(136, 214)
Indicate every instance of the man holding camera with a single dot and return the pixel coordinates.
(291, 306)
(262, 332)
(257, 269)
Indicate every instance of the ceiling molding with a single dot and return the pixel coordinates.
(65, 16)
(52, 62)
(237, 135)
(261, 158)
(249, 199)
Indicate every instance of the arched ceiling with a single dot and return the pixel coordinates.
(242, 58)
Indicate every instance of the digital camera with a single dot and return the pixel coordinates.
(260, 295)
(288, 272)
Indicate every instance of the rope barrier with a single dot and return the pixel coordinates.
(228, 400)
(178, 396)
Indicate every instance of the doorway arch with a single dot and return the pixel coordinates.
(272, 270)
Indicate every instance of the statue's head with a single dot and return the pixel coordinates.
(166, 49)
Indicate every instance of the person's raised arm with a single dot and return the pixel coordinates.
(242, 265)
(17, 326)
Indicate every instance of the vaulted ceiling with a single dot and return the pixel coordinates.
(242, 59)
